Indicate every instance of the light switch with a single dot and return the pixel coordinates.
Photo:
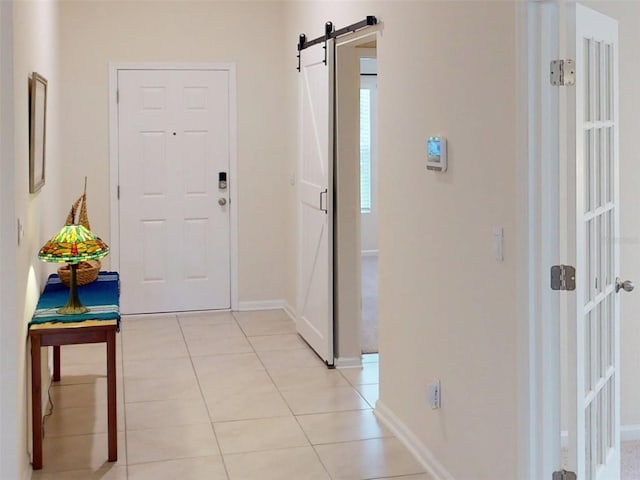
(498, 243)
(434, 395)
(20, 231)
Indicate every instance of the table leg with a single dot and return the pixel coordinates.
(36, 402)
(111, 394)
(56, 363)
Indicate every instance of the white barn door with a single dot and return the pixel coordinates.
(593, 213)
(314, 319)
(173, 146)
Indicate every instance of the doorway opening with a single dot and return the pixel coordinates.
(356, 221)
(369, 199)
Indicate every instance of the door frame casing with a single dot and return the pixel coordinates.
(347, 274)
(114, 158)
(538, 239)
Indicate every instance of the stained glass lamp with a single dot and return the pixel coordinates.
(73, 244)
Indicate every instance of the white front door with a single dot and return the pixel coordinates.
(314, 318)
(593, 213)
(173, 146)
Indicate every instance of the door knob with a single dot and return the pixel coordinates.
(222, 201)
(627, 285)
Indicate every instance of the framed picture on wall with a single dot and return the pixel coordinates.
(37, 131)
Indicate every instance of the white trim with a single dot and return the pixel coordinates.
(348, 362)
(426, 458)
(267, 305)
(629, 433)
(114, 172)
(249, 306)
(537, 241)
(233, 158)
(234, 192)
(527, 433)
(289, 310)
(12, 452)
(349, 323)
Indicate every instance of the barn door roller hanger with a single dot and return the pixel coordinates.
(330, 33)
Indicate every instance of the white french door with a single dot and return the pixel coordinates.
(174, 207)
(593, 225)
(314, 319)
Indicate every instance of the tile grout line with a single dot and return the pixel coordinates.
(206, 405)
(124, 406)
(306, 436)
(315, 448)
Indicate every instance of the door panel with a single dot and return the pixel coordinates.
(174, 236)
(314, 319)
(594, 387)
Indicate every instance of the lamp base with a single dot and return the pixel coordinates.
(73, 306)
(72, 310)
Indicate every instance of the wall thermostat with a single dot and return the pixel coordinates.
(437, 154)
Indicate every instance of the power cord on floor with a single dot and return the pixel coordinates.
(49, 404)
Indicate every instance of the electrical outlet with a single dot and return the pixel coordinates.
(434, 394)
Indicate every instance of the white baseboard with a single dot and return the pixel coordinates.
(369, 253)
(413, 444)
(348, 362)
(262, 305)
(268, 305)
(629, 433)
(290, 310)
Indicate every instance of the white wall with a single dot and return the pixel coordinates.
(628, 15)
(35, 49)
(10, 453)
(447, 309)
(245, 33)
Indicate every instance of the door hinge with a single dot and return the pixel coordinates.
(118, 192)
(118, 96)
(563, 277)
(564, 475)
(563, 73)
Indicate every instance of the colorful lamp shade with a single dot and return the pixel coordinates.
(73, 244)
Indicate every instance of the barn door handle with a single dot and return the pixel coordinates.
(325, 200)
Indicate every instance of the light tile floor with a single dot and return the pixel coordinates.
(219, 396)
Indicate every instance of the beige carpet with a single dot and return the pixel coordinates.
(370, 304)
(629, 460)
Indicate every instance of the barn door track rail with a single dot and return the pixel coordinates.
(330, 33)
